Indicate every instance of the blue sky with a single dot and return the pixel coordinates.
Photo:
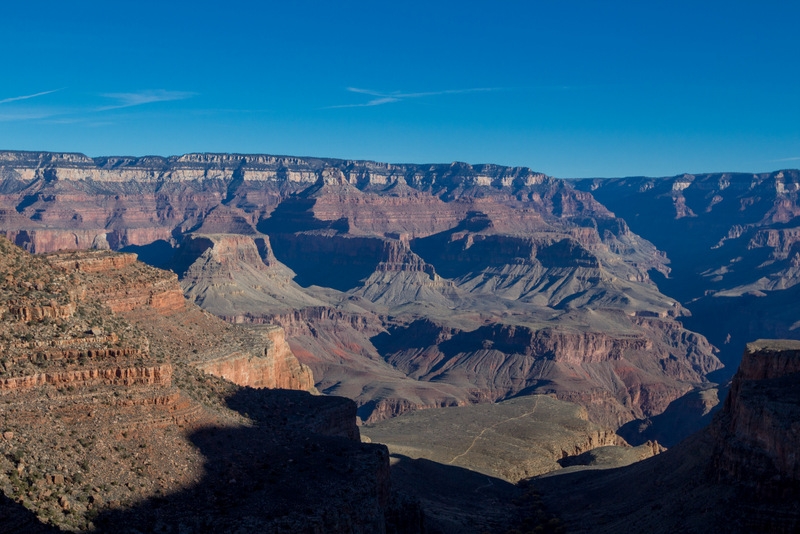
(569, 88)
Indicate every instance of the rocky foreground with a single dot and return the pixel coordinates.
(113, 416)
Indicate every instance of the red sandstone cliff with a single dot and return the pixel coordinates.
(741, 474)
(136, 290)
(757, 433)
(277, 367)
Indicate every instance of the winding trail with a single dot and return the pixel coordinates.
(479, 436)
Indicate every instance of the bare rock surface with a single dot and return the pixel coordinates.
(527, 284)
(734, 248)
(738, 475)
(110, 420)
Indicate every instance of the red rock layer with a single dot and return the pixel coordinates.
(160, 375)
(276, 368)
(757, 433)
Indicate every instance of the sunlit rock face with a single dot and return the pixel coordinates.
(525, 284)
(124, 408)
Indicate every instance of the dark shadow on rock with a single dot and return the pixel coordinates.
(319, 252)
(423, 333)
(189, 252)
(730, 322)
(453, 252)
(282, 474)
(683, 417)
(417, 335)
(457, 500)
(158, 253)
(16, 519)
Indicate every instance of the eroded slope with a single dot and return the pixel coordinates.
(350, 256)
(738, 475)
(109, 417)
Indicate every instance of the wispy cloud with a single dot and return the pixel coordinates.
(379, 99)
(26, 97)
(17, 109)
(26, 115)
(797, 158)
(128, 100)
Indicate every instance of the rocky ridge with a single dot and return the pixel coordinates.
(343, 254)
(738, 475)
(108, 420)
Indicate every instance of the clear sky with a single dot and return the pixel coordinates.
(569, 88)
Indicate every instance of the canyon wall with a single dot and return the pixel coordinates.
(344, 253)
(757, 434)
(741, 474)
(732, 239)
(108, 423)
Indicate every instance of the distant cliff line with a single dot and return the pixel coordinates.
(255, 167)
(29, 165)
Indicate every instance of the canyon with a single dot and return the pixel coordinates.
(120, 411)
(504, 335)
(400, 286)
(740, 474)
(733, 244)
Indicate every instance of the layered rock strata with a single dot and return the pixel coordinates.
(740, 474)
(733, 242)
(258, 358)
(106, 422)
(344, 253)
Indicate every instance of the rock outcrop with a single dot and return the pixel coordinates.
(108, 423)
(131, 289)
(277, 367)
(158, 290)
(757, 433)
(741, 474)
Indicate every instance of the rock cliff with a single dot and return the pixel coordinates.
(277, 367)
(109, 423)
(258, 358)
(343, 254)
(757, 432)
(741, 474)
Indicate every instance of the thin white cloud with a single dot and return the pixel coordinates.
(390, 98)
(26, 97)
(128, 100)
(83, 114)
(28, 115)
(797, 158)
